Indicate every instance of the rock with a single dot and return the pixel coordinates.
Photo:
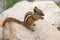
(44, 30)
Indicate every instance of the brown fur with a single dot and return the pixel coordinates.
(34, 17)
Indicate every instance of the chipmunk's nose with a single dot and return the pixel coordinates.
(41, 13)
(42, 18)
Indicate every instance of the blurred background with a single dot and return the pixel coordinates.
(5, 4)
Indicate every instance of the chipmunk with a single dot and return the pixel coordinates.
(29, 19)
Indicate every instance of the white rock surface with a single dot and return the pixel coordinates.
(44, 30)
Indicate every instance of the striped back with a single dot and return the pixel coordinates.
(28, 18)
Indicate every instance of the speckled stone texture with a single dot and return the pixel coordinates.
(44, 29)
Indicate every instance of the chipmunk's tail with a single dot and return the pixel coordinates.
(10, 19)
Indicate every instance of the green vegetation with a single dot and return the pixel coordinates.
(30, 0)
(10, 3)
(58, 4)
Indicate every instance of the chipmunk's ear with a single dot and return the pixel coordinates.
(35, 9)
(38, 11)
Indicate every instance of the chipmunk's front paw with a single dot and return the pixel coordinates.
(42, 18)
(32, 27)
